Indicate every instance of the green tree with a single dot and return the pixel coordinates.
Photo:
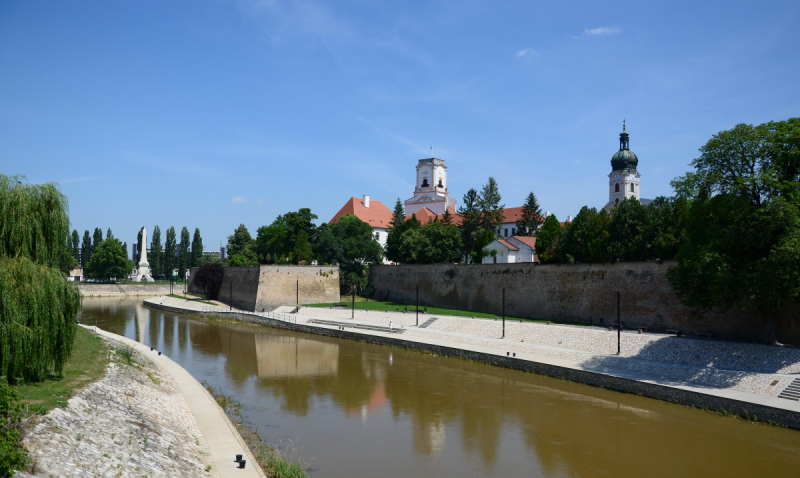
(86, 248)
(76, 245)
(432, 243)
(491, 210)
(447, 218)
(184, 258)
(738, 255)
(302, 248)
(395, 232)
(246, 258)
(168, 259)
(108, 261)
(470, 226)
(349, 243)
(108, 233)
(531, 219)
(239, 240)
(741, 244)
(38, 308)
(278, 240)
(156, 255)
(97, 238)
(197, 248)
(547, 239)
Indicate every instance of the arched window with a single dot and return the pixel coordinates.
(425, 183)
(632, 187)
(440, 183)
(616, 188)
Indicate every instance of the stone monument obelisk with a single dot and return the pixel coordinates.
(144, 266)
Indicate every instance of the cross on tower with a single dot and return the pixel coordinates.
(623, 125)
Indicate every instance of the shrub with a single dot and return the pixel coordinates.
(208, 279)
(12, 455)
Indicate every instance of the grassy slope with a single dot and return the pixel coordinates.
(363, 304)
(87, 364)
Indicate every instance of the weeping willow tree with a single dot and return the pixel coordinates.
(38, 306)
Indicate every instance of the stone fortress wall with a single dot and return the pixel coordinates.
(266, 287)
(574, 293)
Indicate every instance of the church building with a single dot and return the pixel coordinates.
(431, 189)
(623, 182)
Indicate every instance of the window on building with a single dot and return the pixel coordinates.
(425, 183)
(513, 231)
(616, 188)
(377, 236)
(505, 232)
(631, 187)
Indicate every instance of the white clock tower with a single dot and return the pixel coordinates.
(623, 182)
(431, 189)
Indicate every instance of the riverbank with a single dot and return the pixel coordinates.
(122, 290)
(733, 378)
(146, 417)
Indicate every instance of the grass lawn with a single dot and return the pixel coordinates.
(87, 364)
(189, 297)
(363, 304)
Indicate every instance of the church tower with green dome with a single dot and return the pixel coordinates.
(623, 182)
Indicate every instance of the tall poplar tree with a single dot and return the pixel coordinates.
(470, 221)
(169, 261)
(395, 233)
(97, 238)
(197, 249)
(184, 258)
(86, 248)
(76, 245)
(156, 257)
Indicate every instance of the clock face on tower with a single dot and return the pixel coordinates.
(616, 177)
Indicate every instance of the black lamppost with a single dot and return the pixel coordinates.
(504, 313)
(417, 305)
(353, 314)
(619, 327)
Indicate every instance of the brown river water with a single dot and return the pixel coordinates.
(351, 409)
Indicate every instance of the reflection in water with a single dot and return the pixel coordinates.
(282, 356)
(359, 408)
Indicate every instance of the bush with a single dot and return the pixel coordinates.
(12, 455)
(208, 279)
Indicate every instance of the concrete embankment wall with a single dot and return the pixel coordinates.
(573, 293)
(675, 395)
(267, 287)
(121, 290)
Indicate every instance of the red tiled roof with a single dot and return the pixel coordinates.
(529, 241)
(513, 214)
(376, 215)
(509, 246)
(425, 215)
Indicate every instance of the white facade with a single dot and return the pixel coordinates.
(526, 252)
(431, 188)
(622, 185)
(506, 253)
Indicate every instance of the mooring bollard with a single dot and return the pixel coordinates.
(159, 353)
(241, 463)
(238, 458)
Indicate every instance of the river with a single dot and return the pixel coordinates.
(352, 409)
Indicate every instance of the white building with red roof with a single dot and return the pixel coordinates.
(512, 250)
(373, 212)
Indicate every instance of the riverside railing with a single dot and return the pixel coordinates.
(216, 309)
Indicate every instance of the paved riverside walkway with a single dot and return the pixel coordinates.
(224, 442)
(726, 374)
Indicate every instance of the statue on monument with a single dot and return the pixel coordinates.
(144, 266)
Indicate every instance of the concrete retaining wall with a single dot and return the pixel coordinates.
(572, 293)
(684, 397)
(267, 287)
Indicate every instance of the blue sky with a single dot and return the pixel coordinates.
(213, 113)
